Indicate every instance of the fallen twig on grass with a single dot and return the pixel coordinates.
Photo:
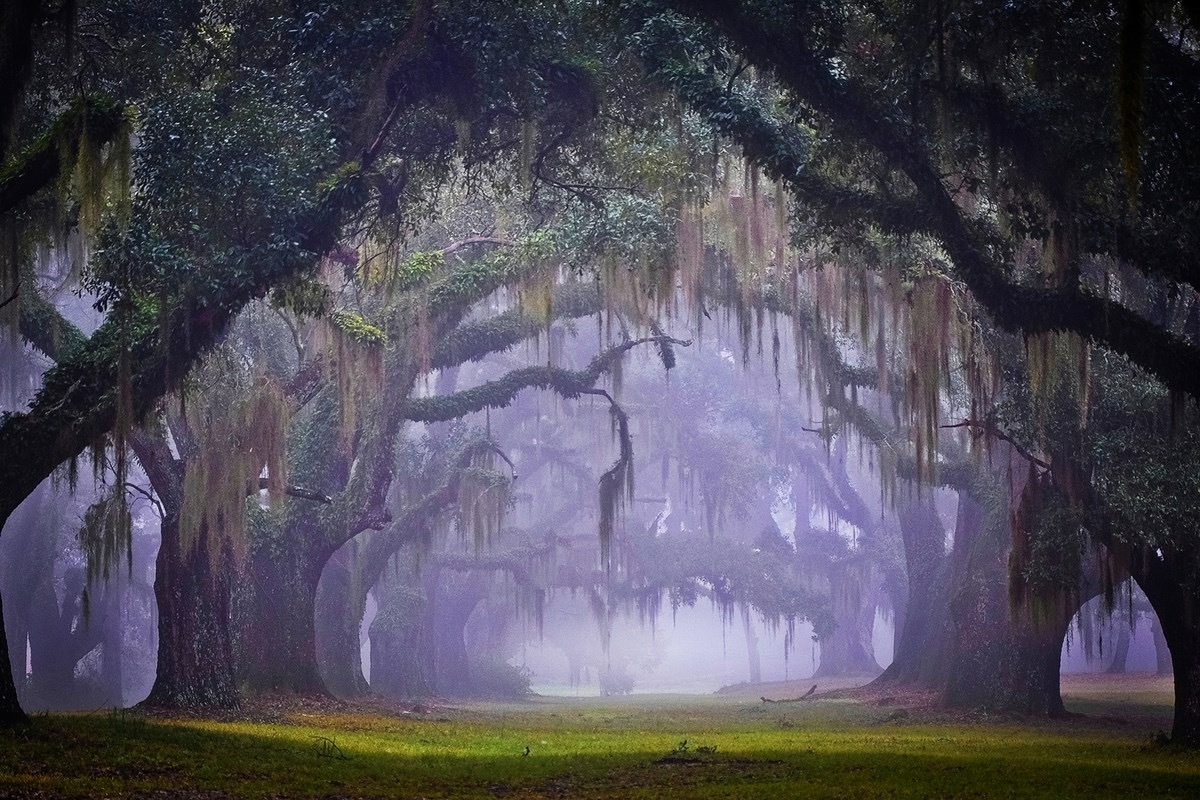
(805, 696)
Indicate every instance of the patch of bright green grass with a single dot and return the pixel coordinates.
(633, 747)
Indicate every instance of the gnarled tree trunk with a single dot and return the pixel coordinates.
(278, 633)
(195, 648)
(923, 636)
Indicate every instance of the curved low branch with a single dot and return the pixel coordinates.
(475, 340)
(77, 403)
(501, 392)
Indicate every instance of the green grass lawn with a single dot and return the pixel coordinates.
(631, 747)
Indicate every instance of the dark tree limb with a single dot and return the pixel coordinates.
(39, 164)
(293, 491)
(501, 392)
(991, 430)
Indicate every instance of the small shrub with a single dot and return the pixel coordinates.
(495, 677)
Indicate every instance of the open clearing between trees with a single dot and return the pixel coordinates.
(728, 745)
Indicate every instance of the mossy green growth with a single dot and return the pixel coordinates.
(418, 268)
(358, 328)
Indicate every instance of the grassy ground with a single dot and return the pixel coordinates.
(736, 746)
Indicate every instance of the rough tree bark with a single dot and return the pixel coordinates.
(195, 647)
(195, 643)
(278, 633)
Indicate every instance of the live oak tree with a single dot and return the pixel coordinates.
(1015, 187)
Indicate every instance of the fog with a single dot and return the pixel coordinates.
(753, 547)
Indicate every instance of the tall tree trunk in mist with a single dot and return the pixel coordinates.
(10, 707)
(113, 674)
(850, 649)
(751, 646)
(36, 565)
(59, 638)
(1162, 653)
(998, 659)
(1120, 651)
(193, 593)
(338, 625)
(452, 602)
(399, 644)
(52, 671)
(195, 648)
(923, 635)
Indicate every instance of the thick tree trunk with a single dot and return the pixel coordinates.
(338, 624)
(399, 644)
(1030, 671)
(195, 649)
(1185, 662)
(999, 660)
(10, 707)
(278, 628)
(1167, 579)
(59, 637)
(453, 607)
(849, 649)
(960, 635)
(52, 671)
(923, 635)
(1162, 653)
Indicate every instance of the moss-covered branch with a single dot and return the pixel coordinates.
(501, 392)
(515, 561)
(44, 328)
(476, 340)
(96, 120)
